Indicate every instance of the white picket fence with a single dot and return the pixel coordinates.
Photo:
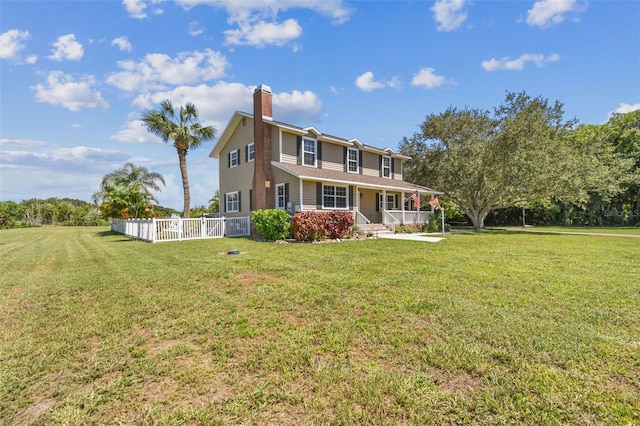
(179, 229)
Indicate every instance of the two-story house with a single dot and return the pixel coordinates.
(265, 163)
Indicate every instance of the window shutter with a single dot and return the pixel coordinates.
(299, 149)
(360, 161)
(319, 195)
(238, 151)
(377, 201)
(246, 153)
(251, 200)
(380, 167)
(239, 200)
(350, 197)
(345, 159)
(395, 202)
(319, 154)
(224, 207)
(286, 195)
(229, 159)
(392, 168)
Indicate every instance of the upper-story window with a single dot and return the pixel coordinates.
(386, 166)
(251, 152)
(234, 158)
(352, 160)
(309, 152)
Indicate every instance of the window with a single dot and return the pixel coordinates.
(309, 152)
(234, 158)
(334, 197)
(386, 166)
(281, 198)
(251, 153)
(232, 202)
(352, 160)
(391, 202)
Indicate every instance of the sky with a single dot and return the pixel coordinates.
(75, 76)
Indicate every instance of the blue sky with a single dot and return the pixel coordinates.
(75, 75)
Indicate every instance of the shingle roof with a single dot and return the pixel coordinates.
(311, 173)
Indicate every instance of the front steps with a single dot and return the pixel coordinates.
(378, 229)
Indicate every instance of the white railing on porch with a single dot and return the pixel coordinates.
(389, 220)
(362, 223)
(179, 229)
(410, 217)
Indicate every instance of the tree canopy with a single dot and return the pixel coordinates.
(126, 192)
(485, 160)
(184, 130)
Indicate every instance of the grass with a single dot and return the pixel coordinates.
(626, 230)
(484, 328)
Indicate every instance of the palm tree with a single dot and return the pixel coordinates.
(127, 191)
(184, 130)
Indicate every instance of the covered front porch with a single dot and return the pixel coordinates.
(389, 207)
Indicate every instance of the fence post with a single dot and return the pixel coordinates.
(202, 223)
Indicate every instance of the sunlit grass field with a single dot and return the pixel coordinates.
(481, 328)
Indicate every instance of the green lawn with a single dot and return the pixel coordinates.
(484, 328)
(627, 230)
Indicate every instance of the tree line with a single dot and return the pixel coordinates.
(524, 156)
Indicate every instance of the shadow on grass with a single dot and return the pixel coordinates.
(123, 238)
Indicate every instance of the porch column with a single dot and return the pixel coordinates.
(383, 207)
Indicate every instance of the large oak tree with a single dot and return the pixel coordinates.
(484, 160)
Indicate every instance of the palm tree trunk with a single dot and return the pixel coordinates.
(182, 157)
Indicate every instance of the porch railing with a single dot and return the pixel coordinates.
(410, 217)
(362, 223)
(389, 220)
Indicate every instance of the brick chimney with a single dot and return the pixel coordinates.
(263, 186)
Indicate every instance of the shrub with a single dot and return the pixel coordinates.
(271, 224)
(310, 226)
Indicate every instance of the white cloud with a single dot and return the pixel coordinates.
(449, 14)
(66, 47)
(11, 42)
(195, 28)
(216, 104)
(426, 77)
(508, 64)
(122, 43)
(624, 108)
(61, 89)
(156, 70)
(261, 34)
(367, 82)
(256, 23)
(135, 131)
(31, 59)
(547, 13)
(138, 8)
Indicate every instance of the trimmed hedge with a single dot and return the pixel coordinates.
(315, 226)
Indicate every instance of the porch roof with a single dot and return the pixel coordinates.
(362, 181)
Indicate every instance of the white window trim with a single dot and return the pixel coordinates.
(391, 199)
(250, 159)
(335, 197)
(227, 201)
(278, 206)
(233, 154)
(356, 160)
(315, 152)
(389, 167)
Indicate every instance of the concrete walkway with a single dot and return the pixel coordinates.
(411, 237)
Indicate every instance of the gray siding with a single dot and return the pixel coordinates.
(239, 178)
(370, 164)
(289, 148)
(332, 156)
